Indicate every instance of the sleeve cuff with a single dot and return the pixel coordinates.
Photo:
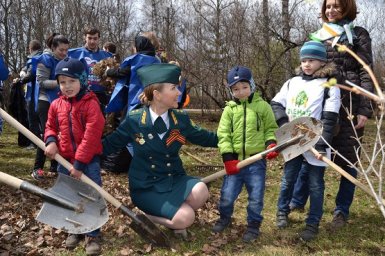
(79, 165)
(282, 121)
(269, 142)
(229, 156)
(49, 140)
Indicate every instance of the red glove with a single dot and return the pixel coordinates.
(272, 154)
(231, 167)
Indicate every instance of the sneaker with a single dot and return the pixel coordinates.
(221, 224)
(73, 240)
(31, 147)
(252, 231)
(282, 220)
(309, 233)
(338, 222)
(38, 174)
(93, 245)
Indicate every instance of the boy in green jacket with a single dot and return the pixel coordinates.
(246, 128)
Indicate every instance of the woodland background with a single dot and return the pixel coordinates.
(207, 37)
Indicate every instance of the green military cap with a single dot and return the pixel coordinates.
(159, 73)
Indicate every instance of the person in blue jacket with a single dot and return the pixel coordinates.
(4, 73)
(47, 90)
(128, 87)
(92, 54)
(158, 183)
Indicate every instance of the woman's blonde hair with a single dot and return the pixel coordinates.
(148, 93)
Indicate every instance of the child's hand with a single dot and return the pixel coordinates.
(272, 154)
(231, 167)
(76, 173)
(51, 150)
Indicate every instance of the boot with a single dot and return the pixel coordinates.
(309, 233)
(282, 219)
(93, 245)
(221, 224)
(73, 240)
(252, 231)
(338, 222)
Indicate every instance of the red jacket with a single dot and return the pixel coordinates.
(76, 126)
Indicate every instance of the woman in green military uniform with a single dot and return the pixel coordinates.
(159, 185)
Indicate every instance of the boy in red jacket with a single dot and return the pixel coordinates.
(74, 130)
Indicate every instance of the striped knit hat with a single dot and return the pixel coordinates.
(313, 50)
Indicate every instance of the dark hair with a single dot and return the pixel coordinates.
(111, 47)
(91, 31)
(34, 45)
(55, 39)
(348, 7)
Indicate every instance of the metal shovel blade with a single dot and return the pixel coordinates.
(93, 211)
(308, 127)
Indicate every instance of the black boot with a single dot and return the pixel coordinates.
(282, 219)
(252, 231)
(309, 233)
(221, 224)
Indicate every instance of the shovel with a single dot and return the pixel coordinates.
(142, 225)
(290, 144)
(70, 205)
(306, 126)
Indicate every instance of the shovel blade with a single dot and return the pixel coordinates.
(309, 127)
(93, 214)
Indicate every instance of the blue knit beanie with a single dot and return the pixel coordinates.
(73, 68)
(313, 50)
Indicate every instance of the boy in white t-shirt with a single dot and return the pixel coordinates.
(305, 95)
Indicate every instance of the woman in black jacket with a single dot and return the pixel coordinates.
(338, 15)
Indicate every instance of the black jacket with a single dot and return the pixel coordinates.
(354, 72)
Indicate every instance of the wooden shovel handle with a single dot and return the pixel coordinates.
(344, 173)
(240, 165)
(10, 180)
(37, 141)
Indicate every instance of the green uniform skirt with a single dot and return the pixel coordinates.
(164, 204)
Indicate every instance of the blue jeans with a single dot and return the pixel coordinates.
(316, 187)
(345, 193)
(301, 190)
(92, 171)
(253, 176)
(344, 197)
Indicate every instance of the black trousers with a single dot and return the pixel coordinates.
(42, 112)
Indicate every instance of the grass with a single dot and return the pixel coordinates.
(364, 235)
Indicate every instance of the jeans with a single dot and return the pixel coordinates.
(253, 176)
(315, 185)
(301, 190)
(92, 171)
(42, 111)
(345, 193)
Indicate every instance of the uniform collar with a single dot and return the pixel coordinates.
(164, 116)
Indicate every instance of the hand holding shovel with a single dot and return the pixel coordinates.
(290, 143)
(139, 222)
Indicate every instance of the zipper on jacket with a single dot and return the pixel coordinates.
(258, 122)
(70, 128)
(244, 131)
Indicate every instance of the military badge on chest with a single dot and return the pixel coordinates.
(139, 138)
(175, 135)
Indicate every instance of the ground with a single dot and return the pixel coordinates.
(21, 234)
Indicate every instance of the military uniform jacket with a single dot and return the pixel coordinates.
(156, 161)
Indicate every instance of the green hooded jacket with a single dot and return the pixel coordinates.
(246, 127)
